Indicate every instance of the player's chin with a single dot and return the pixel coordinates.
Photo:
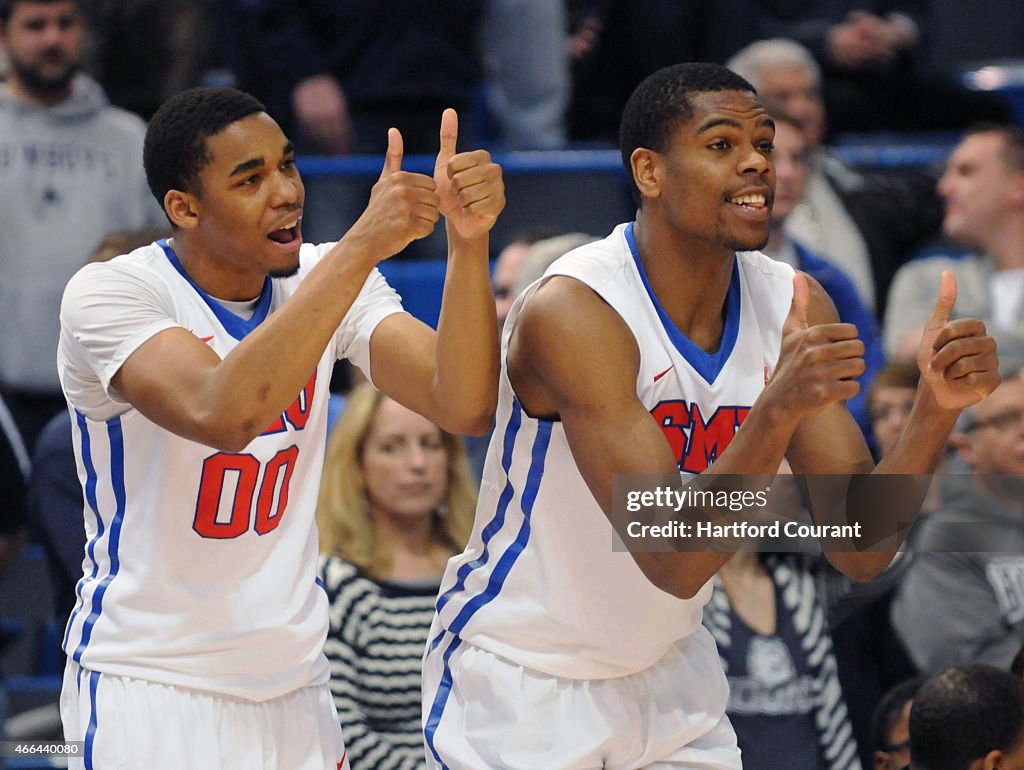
(282, 259)
(285, 271)
(753, 241)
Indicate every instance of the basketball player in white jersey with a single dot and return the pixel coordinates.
(549, 648)
(197, 374)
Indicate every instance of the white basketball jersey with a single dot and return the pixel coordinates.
(200, 565)
(539, 583)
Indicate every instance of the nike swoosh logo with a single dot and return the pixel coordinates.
(662, 374)
(203, 339)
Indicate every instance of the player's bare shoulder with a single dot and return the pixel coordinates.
(565, 336)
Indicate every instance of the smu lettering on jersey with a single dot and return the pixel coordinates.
(540, 583)
(200, 565)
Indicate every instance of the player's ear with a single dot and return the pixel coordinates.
(646, 165)
(181, 208)
(994, 760)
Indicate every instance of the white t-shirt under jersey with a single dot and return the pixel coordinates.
(539, 583)
(200, 566)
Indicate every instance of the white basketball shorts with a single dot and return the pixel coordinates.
(483, 712)
(128, 724)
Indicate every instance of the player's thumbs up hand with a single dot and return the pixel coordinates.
(818, 362)
(403, 206)
(936, 322)
(393, 156)
(449, 137)
(469, 184)
(943, 304)
(957, 358)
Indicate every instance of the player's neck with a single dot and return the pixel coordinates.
(690, 282)
(214, 275)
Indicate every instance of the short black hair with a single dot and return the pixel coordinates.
(888, 711)
(175, 148)
(7, 7)
(962, 714)
(661, 103)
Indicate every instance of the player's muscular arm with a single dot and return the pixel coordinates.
(958, 368)
(814, 375)
(451, 377)
(825, 438)
(181, 384)
(581, 366)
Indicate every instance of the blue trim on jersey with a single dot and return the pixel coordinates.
(444, 689)
(501, 570)
(508, 559)
(90, 547)
(114, 539)
(90, 733)
(494, 526)
(320, 582)
(234, 325)
(707, 365)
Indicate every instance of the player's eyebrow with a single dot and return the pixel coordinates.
(731, 123)
(248, 165)
(715, 122)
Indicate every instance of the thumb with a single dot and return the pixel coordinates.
(449, 137)
(945, 302)
(797, 318)
(393, 158)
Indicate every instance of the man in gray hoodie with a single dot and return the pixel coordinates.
(70, 174)
(962, 599)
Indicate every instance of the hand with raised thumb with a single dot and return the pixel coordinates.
(403, 205)
(818, 363)
(393, 155)
(957, 358)
(469, 184)
(938, 319)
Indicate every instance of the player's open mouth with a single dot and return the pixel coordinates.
(752, 201)
(288, 234)
(753, 205)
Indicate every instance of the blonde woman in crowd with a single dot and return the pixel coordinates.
(395, 503)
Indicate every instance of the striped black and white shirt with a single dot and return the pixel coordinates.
(375, 643)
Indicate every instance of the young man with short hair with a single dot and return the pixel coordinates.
(197, 372)
(968, 718)
(551, 648)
